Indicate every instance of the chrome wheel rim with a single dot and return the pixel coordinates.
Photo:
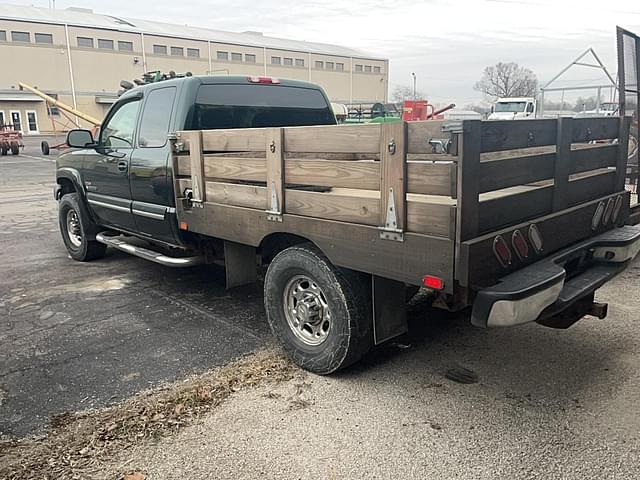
(74, 232)
(307, 310)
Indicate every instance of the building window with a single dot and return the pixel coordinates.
(236, 57)
(328, 65)
(2, 118)
(223, 55)
(32, 122)
(177, 51)
(105, 44)
(20, 37)
(44, 38)
(16, 121)
(3, 35)
(319, 64)
(52, 110)
(367, 68)
(276, 60)
(287, 61)
(85, 42)
(193, 52)
(160, 49)
(249, 58)
(125, 46)
(340, 66)
(358, 68)
(377, 70)
(299, 62)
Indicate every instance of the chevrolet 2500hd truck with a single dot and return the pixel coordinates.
(520, 221)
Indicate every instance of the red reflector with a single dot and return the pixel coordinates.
(435, 283)
(535, 237)
(520, 245)
(184, 226)
(501, 250)
(263, 80)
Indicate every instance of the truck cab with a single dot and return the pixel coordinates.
(513, 108)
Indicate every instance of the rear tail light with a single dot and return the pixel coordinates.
(535, 237)
(433, 282)
(608, 211)
(501, 250)
(519, 244)
(597, 216)
(263, 80)
(617, 209)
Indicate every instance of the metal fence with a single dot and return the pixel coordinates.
(629, 98)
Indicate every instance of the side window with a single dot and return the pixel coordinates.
(154, 126)
(118, 131)
(530, 107)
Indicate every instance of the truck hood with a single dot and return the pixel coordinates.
(502, 116)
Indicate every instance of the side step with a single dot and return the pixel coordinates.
(147, 254)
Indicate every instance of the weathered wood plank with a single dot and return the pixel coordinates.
(430, 218)
(420, 133)
(237, 194)
(228, 168)
(393, 173)
(241, 140)
(274, 139)
(589, 187)
(333, 138)
(333, 173)
(509, 172)
(599, 128)
(431, 178)
(508, 209)
(196, 166)
(500, 135)
(562, 164)
(623, 151)
(593, 157)
(354, 206)
(467, 183)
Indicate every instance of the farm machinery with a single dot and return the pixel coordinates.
(10, 140)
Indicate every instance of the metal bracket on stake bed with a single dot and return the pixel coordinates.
(274, 214)
(390, 231)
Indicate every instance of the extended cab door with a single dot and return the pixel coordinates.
(150, 175)
(106, 168)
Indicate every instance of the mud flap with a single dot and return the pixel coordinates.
(239, 264)
(389, 309)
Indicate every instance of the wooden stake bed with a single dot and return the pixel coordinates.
(375, 198)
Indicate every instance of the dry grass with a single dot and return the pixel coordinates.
(77, 443)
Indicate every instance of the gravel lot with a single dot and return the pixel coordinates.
(548, 404)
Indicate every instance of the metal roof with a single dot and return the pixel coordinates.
(86, 18)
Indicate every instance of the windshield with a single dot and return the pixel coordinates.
(510, 106)
(251, 105)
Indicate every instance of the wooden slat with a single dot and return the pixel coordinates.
(500, 135)
(196, 166)
(588, 129)
(228, 168)
(509, 172)
(354, 206)
(431, 178)
(333, 138)
(236, 194)
(430, 218)
(592, 186)
(275, 169)
(562, 164)
(596, 156)
(467, 183)
(393, 172)
(508, 209)
(333, 173)
(238, 140)
(623, 152)
(419, 134)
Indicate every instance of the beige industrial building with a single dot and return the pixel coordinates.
(80, 57)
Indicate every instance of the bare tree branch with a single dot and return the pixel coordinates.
(507, 80)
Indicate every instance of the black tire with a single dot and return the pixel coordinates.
(349, 335)
(4, 150)
(15, 148)
(44, 147)
(83, 248)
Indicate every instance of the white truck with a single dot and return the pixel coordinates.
(513, 108)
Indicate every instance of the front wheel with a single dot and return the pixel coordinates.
(320, 313)
(76, 226)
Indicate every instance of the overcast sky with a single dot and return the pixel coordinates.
(447, 43)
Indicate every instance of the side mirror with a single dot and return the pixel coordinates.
(492, 108)
(80, 138)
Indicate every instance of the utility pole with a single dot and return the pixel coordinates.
(414, 84)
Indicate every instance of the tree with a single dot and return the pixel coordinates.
(507, 80)
(404, 92)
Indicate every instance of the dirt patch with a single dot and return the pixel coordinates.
(78, 443)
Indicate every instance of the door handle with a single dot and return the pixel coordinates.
(123, 166)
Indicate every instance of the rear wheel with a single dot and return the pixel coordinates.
(44, 147)
(15, 148)
(4, 149)
(320, 313)
(76, 228)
